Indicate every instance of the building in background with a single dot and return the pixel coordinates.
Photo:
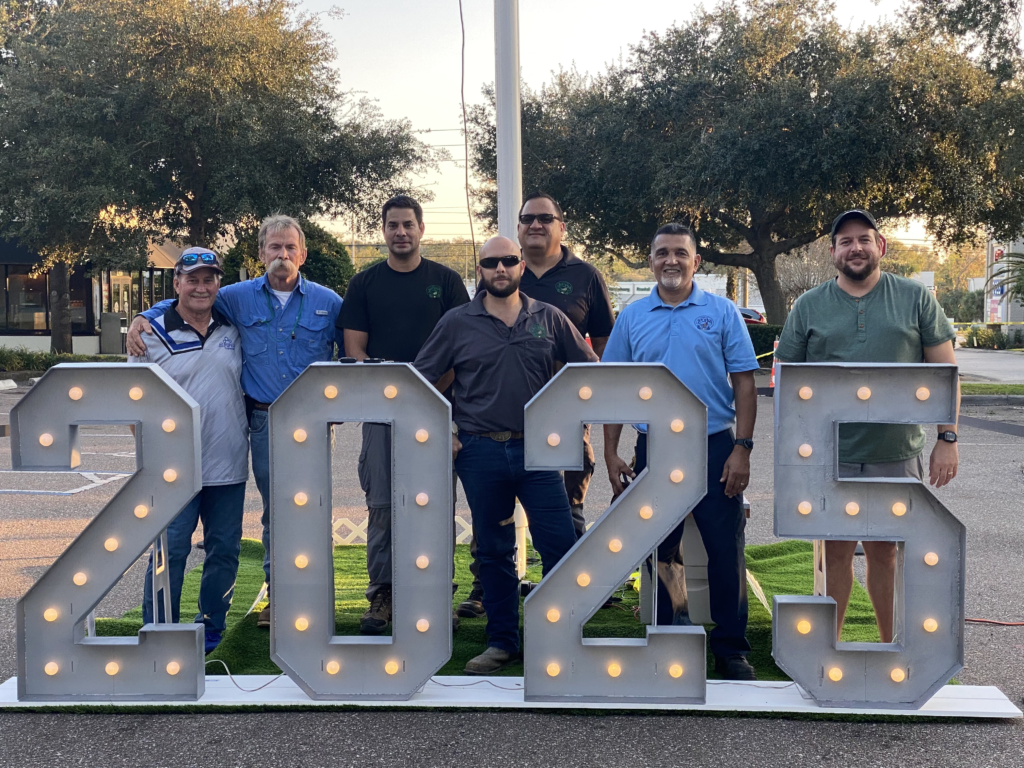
(998, 309)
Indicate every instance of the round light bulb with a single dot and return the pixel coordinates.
(614, 669)
(930, 625)
(554, 439)
(330, 391)
(46, 439)
(113, 667)
(646, 513)
(301, 499)
(805, 450)
(80, 579)
(806, 393)
(899, 509)
(421, 435)
(170, 475)
(923, 393)
(803, 626)
(645, 393)
(835, 674)
(299, 435)
(586, 393)
(553, 615)
(173, 668)
(422, 562)
(676, 476)
(676, 670)
(135, 393)
(302, 624)
(852, 508)
(390, 392)
(615, 545)
(804, 507)
(898, 675)
(141, 511)
(110, 545)
(583, 579)
(50, 614)
(51, 668)
(422, 625)
(75, 393)
(332, 667)
(301, 561)
(167, 425)
(391, 667)
(677, 425)
(422, 499)
(864, 393)
(553, 669)
(931, 558)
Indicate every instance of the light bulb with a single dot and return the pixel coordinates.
(930, 625)
(299, 435)
(330, 391)
(113, 667)
(931, 558)
(835, 674)
(51, 668)
(421, 435)
(391, 667)
(301, 499)
(615, 545)
(422, 625)
(75, 393)
(173, 668)
(135, 393)
(676, 476)
(586, 393)
(677, 425)
(301, 561)
(141, 511)
(803, 626)
(170, 475)
(852, 508)
(553, 669)
(302, 624)
(554, 439)
(390, 392)
(898, 675)
(80, 578)
(806, 393)
(168, 425)
(899, 509)
(46, 439)
(614, 669)
(422, 499)
(333, 667)
(646, 513)
(583, 579)
(422, 562)
(864, 393)
(645, 393)
(110, 544)
(805, 450)
(676, 670)
(923, 393)
(553, 615)
(804, 507)
(50, 614)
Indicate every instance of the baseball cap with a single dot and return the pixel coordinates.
(192, 259)
(856, 213)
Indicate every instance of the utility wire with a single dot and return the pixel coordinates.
(465, 129)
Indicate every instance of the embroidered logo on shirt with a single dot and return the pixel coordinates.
(226, 343)
(704, 323)
(563, 287)
(434, 291)
(321, 312)
(538, 331)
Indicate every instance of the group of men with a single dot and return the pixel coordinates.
(536, 307)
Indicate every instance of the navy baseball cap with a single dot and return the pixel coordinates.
(856, 213)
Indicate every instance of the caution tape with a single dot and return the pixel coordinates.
(766, 354)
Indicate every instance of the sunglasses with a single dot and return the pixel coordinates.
(194, 258)
(491, 262)
(543, 218)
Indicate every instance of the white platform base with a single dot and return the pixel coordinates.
(507, 693)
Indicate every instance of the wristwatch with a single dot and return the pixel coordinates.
(949, 437)
(744, 442)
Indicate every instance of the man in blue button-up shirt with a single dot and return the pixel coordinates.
(703, 340)
(284, 322)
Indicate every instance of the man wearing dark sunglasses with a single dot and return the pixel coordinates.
(503, 347)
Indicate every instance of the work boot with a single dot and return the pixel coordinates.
(455, 621)
(472, 607)
(490, 661)
(735, 667)
(263, 622)
(378, 615)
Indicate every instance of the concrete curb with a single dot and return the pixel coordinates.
(8, 384)
(992, 399)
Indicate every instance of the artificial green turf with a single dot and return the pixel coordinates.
(785, 568)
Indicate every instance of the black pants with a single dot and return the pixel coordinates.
(721, 522)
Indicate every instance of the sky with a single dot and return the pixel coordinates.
(405, 54)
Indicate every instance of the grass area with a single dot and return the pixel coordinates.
(970, 388)
(785, 568)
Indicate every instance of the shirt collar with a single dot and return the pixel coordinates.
(697, 297)
(262, 282)
(173, 321)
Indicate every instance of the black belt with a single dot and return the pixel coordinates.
(255, 405)
(500, 437)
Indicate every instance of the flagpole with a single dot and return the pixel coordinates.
(507, 105)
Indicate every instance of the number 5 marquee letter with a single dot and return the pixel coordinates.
(56, 661)
(811, 502)
(669, 664)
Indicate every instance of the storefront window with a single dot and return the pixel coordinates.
(81, 296)
(26, 299)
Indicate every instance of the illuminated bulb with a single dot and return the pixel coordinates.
(806, 393)
(113, 667)
(835, 674)
(167, 425)
(863, 393)
(899, 509)
(645, 393)
(553, 615)
(301, 499)
(646, 513)
(930, 625)
(553, 669)
(421, 435)
(805, 450)
(50, 614)
(422, 499)
(110, 544)
(614, 669)
(80, 578)
(852, 508)
(135, 393)
(615, 545)
(390, 392)
(75, 393)
(170, 475)
(583, 579)
(898, 675)
(677, 425)
(141, 511)
(173, 668)
(803, 626)
(299, 435)
(586, 393)
(923, 393)
(46, 439)
(931, 558)
(330, 391)
(302, 624)
(804, 507)
(51, 668)
(676, 670)
(676, 476)
(554, 439)
(391, 667)
(301, 561)
(333, 667)
(422, 562)
(422, 625)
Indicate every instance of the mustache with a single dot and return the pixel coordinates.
(281, 264)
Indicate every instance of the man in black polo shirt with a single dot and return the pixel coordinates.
(389, 311)
(504, 347)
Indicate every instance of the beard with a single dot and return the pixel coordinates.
(671, 281)
(859, 275)
(500, 293)
(282, 265)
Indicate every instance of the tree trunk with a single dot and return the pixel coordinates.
(60, 308)
(771, 291)
(730, 284)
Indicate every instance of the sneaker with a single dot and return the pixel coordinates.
(472, 607)
(378, 615)
(263, 622)
(212, 640)
(735, 667)
(490, 661)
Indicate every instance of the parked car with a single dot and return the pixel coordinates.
(752, 316)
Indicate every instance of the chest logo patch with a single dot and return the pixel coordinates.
(226, 343)
(564, 287)
(538, 331)
(434, 291)
(704, 323)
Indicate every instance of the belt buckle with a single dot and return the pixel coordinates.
(501, 437)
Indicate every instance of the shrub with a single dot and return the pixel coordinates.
(764, 337)
(22, 359)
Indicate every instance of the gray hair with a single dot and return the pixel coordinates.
(275, 223)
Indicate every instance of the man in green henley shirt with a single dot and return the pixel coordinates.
(866, 315)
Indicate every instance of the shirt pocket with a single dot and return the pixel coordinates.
(313, 339)
(253, 335)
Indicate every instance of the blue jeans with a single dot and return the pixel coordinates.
(493, 476)
(721, 523)
(220, 508)
(259, 449)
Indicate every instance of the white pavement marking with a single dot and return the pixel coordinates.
(95, 481)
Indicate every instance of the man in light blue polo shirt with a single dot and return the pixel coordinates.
(703, 340)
